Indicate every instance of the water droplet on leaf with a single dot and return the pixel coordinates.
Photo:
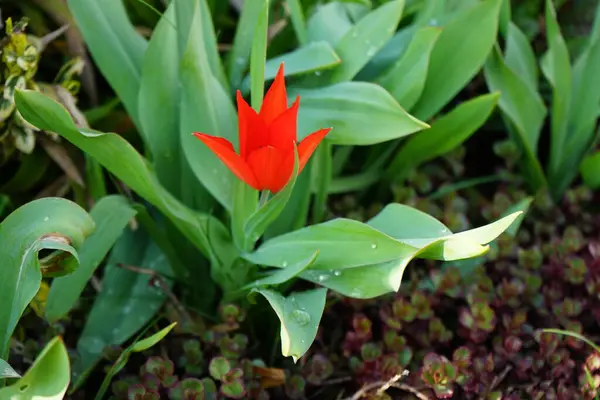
(284, 264)
(301, 317)
(374, 246)
(337, 273)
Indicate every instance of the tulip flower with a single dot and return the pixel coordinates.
(266, 140)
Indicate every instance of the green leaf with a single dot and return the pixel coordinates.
(350, 108)
(446, 133)
(590, 170)
(313, 57)
(298, 22)
(428, 238)
(575, 335)
(458, 55)
(405, 79)
(121, 159)
(521, 206)
(47, 378)
(322, 176)
(115, 45)
(365, 39)
(390, 54)
(127, 302)
(159, 101)
(48, 223)
(285, 274)
(520, 58)
(557, 70)
(245, 203)
(258, 56)
(111, 215)
(242, 42)
(525, 110)
(329, 22)
(136, 347)
(206, 108)
(32, 168)
(6, 371)
(152, 340)
(300, 314)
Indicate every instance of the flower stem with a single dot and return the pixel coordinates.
(264, 197)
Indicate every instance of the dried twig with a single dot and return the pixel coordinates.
(381, 386)
(499, 378)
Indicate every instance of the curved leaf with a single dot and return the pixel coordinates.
(300, 314)
(6, 371)
(48, 223)
(48, 377)
(111, 215)
(352, 108)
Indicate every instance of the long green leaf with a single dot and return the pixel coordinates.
(520, 58)
(47, 378)
(329, 22)
(557, 70)
(121, 159)
(298, 22)
(111, 215)
(159, 101)
(405, 79)
(445, 134)
(258, 55)
(590, 170)
(48, 223)
(458, 55)
(365, 39)
(207, 108)
(350, 108)
(116, 47)
(525, 110)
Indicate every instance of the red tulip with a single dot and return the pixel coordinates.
(267, 140)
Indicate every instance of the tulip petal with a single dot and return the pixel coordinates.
(224, 150)
(282, 131)
(275, 101)
(307, 147)
(253, 132)
(266, 164)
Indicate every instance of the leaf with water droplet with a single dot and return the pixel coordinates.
(300, 314)
(283, 275)
(6, 371)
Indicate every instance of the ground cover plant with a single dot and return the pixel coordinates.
(303, 199)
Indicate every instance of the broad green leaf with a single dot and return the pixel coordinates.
(47, 378)
(405, 79)
(315, 56)
(445, 134)
(365, 39)
(6, 371)
(300, 314)
(136, 347)
(590, 170)
(121, 159)
(111, 215)
(329, 22)
(258, 56)
(556, 68)
(298, 21)
(525, 110)
(458, 55)
(206, 108)
(48, 223)
(127, 302)
(429, 238)
(158, 101)
(350, 108)
(116, 47)
(284, 274)
(520, 58)
(342, 243)
(239, 55)
(151, 340)
(258, 222)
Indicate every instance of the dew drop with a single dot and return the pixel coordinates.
(337, 273)
(46, 219)
(433, 22)
(317, 73)
(374, 246)
(284, 264)
(371, 51)
(302, 318)
(240, 60)
(356, 293)
(322, 278)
